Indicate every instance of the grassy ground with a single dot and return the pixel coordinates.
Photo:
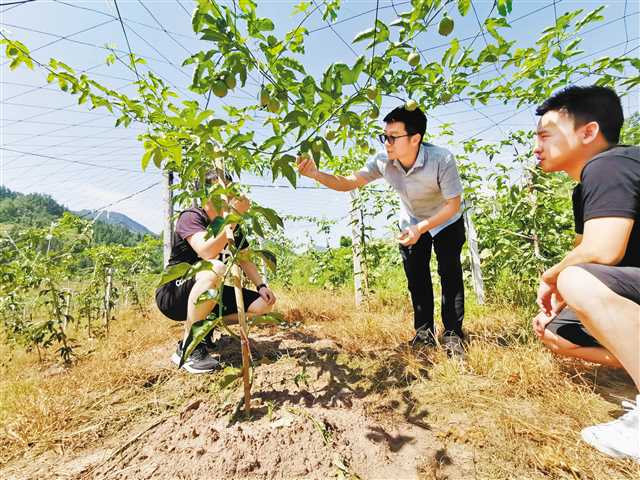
(511, 402)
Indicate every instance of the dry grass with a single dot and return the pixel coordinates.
(113, 385)
(520, 408)
(517, 407)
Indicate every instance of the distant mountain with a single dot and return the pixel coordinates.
(115, 218)
(39, 210)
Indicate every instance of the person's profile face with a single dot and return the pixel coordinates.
(557, 140)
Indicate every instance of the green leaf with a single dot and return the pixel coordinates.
(289, 173)
(364, 35)
(146, 158)
(257, 228)
(157, 157)
(273, 318)
(173, 272)
(246, 5)
(463, 6)
(269, 259)
(199, 331)
(208, 295)
(592, 16)
(446, 26)
(301, 7)
(229, 375)
(215, 226)
(264, 25)
(382, 34)
(293, 64)
(297, 117)
(504, 7)
(217, 122)
(219, 223)
(275, 141)
(270, 216)
(449, 56)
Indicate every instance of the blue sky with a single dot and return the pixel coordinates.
(51, 145)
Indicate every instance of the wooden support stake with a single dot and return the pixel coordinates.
(107, 298)
(474, 255)
(242, 318)
(356, 246)
(67, 307)
(168, 217)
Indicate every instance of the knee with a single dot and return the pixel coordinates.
(572, 287)
(260, 307)
(218, 267)
(577, 288)
(208, 279)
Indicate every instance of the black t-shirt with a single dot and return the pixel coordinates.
(610, 187)
(191, 221)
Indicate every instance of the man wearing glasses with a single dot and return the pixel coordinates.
(427, 181)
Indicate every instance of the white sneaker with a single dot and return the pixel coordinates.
(619, 438)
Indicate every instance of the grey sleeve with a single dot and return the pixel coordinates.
(370, 171)
(448, 178)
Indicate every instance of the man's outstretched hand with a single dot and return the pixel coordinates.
(306, 166)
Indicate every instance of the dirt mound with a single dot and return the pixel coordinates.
(297, 442)
(319, 430)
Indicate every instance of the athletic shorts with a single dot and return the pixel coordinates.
(172, 299)
(624, 281)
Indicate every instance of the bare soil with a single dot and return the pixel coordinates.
(314, 415)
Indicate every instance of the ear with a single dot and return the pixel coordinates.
(589, 132)
(416, 139)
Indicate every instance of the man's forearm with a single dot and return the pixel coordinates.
(214, 245)
(251, 271)
(335, 182)
(575, 257)
(443, 215)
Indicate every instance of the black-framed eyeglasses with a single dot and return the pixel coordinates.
(391, 138)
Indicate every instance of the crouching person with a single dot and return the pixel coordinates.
(590, 301)
(177, 299)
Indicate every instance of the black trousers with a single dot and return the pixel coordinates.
(415, 258)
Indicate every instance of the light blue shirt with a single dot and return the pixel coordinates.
(423, 190)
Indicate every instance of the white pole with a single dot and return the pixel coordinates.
(474, 255)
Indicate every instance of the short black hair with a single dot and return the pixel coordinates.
(415, 121)
(589, 104)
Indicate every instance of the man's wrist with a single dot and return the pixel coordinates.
(550, 276)
(423, 226)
